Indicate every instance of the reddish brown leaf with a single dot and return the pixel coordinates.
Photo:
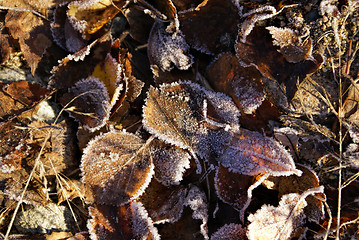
(164, 204)
(231, 187)
(126, 222)
(32, 32)
(244, 86)
(116, 167)
(251, 153)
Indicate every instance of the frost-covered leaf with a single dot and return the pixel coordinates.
(179, 114)
(87, 17)
(292, 47)
(166, 50)
(81, 64)
(116, 167)
(251, 153)
(64, 33)
(299, 184)
(230, 232)
(89, 103)
(170, 163)
(231, 187)
(127, 222)
(280, 222)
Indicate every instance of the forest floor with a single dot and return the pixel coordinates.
(178, 119)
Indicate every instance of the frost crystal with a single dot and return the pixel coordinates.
(196, 200)
(165, 49)
(170, 164)
(142, 224)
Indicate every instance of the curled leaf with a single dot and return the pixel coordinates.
(116, 168)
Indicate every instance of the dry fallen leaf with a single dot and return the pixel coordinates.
(116, 167)
(230, 232)
(32, 32)
(280, 222)
(251, 153)
(127, 222)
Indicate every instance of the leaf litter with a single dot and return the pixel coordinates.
(173, 115)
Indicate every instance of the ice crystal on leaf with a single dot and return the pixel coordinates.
(170, 163)
(251, 153)
(165, 49)
(229, 232)
(280, 222)
(130, 221)
(182, 114)
(116, 167)
(92, 114)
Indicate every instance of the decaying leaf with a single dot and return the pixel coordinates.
(177, 114)
(130, 221)
(299, 184)
(164, 204)
(251, 153)
(292, 47)
(87, 17)
(166, 50)
(258, 50)
(230, 232)
(64, 33)
(231, 187)
(32, 32)
(116, 167)
(280, 222)
(5, 48)
(170, 163)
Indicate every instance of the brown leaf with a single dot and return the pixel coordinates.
(126, 222)
(177, 114)
(15, 148)
(87, 17)
(220, 18)
(280, 222)
(244, 86)
(183, 5)
(299, 184)
(231, 187)
(41, 6)
(164, 204)
(251, 153)
(260, 51)
(63, 32)
(116, 168)
(32, 32)
(81, 64)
